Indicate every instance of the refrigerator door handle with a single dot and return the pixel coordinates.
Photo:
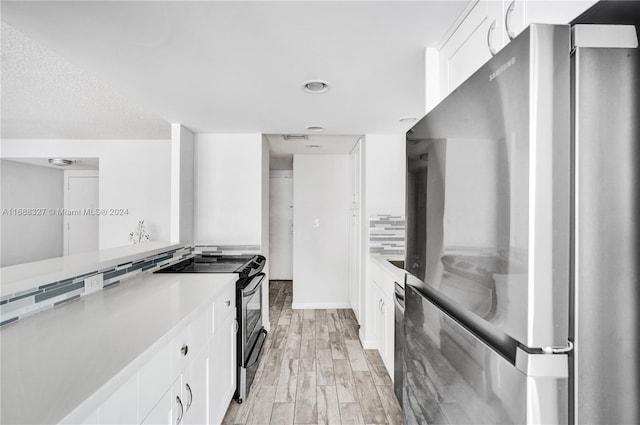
(558, 350)
(542, 365)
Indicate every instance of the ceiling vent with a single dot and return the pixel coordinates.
(295, 136)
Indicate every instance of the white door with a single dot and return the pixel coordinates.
(281, 225)
(81, 228)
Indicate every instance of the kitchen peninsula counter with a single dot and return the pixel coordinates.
(77, 353)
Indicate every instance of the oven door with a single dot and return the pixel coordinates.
(251, 314)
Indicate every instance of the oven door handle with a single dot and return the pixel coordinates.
(255, 353)
(253, 287)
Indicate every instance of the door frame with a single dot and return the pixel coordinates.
(65, 222)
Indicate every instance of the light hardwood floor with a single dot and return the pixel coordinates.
(315, 371)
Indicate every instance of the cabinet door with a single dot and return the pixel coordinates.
(468, 48)
(154, 380)
(170, 409)
(222, 369)
(196, 390)
(378, 319)
(160, 414)
(355, 159)
(522, 13)
(122, 406)
(389, 335)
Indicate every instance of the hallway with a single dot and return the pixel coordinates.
(315, 371)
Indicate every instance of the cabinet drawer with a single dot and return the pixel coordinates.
(180, 348)
(200, 330)
(224, 305)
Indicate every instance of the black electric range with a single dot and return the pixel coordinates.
(251, 334)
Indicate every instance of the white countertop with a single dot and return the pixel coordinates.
(30, 275)
(382, 262)
(53, 361)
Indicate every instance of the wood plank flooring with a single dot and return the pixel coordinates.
(315, 371)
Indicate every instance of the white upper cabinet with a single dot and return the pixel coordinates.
(470, 45)
(519, 14)
(486, 26)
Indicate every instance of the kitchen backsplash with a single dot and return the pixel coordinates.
(227, 249)
(386, 234)
(26, 303)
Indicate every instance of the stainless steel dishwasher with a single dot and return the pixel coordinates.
(398, 370)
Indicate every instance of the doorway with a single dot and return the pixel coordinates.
(81, 218)
(281, 224)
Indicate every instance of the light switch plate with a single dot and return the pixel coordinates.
(93, 283)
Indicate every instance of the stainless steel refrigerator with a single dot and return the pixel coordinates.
(523, 244)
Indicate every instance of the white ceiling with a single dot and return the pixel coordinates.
(46, 96)
(282, 150)
(238, 66)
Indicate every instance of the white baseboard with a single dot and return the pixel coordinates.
(368, 345)
(315, 306)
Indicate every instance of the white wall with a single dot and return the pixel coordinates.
(134, 174)
(27, 238)
(182, 184)
(228, 189)
(321, 253)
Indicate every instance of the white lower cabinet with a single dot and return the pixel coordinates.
(161, 412)
(195, 390)
(383, 325)
(222, 376)
(154, 380)
(190, 380)
(122, 406)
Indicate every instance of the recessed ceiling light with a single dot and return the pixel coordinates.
(408, 119)
(315, 86)
(313, 146)
(315, 128)
(295, 136)
(60, 162)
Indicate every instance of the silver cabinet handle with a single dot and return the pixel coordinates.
(228, 303)
(492, 27)
(380, 304)
(236, 326)
(190, 397)
(179, 419)
(507, 19)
